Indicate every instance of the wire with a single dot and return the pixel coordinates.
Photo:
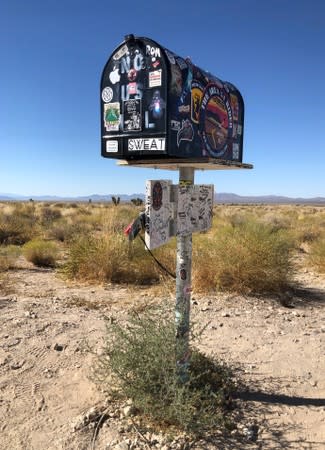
(156, 260)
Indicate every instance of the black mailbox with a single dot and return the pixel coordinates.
(157, 105)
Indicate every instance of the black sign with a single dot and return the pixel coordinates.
(132, 115)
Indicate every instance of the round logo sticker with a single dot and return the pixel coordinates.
(107, 94)
(216, 120)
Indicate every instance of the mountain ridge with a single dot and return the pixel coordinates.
(222, 197)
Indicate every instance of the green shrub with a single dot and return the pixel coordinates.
(250, 257)
(41, 253)
(16, 228)
(138, 360)
(110, 258)
(317, 254)
(8, 256)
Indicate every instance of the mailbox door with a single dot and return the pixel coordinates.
(134, 101)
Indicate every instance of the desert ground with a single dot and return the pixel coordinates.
(48, 400)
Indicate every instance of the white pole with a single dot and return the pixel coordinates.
(183, 290)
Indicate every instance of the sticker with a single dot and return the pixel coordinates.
(239, 129)
(155, 78)
(176, 85)
(112, 116)
(107, 94)
(175, 125)
(196, 98)
(234, 106)
(235, 151)
(132, 75)
(216, 120)
(132, 88)
(150, 144)
(184, 109)
(186, 133)
(114, 76)
(132, 115)
(153, 51)
(170, 56)
(121, 52)
(183, 274)
(112, 146)
(155, 64)
(157, 196)
(187, 290)
(181, 63)
(157, 105)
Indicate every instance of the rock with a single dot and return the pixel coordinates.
(121, 446)
(225, 315)
(58, 347)
(128, 411)
(17, 364)
(251, 432)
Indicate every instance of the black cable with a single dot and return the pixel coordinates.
(158, 262)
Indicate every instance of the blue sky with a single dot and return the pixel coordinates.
(52, 55)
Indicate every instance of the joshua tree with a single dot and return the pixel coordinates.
(115, 200)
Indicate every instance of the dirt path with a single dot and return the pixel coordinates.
(46, 396)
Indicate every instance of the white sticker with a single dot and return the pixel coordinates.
(112, 146)
(149, 144)
(155, 78)
(107, 94)
(121, 52)
(114, 76)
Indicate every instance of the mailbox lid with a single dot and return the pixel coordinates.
(134, 100)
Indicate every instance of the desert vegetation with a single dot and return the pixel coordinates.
(250, 248)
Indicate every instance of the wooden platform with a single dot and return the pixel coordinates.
(177, 163)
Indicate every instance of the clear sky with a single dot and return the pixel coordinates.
(52, 55)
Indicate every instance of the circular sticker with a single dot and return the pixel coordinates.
(216, 120)
(107, 94)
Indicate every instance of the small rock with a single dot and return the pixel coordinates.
(17, 364)
(58, 347)
(121, 446)
(251, 432)
(12, 342)
(225, 315)
(128, 411)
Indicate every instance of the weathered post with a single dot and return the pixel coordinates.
(183, 288)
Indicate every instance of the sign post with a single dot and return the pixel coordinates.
(159, 110)
(183, 289)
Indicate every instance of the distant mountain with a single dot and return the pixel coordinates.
(221, 197)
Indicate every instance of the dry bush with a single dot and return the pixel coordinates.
(18, 227)
(247, 258)
(8, 257)
(110, 258)
(41, 253)
(49, 215)
(317, 254)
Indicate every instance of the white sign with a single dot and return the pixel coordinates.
(150, 144)
(155, 78)
(194, 208)
(190, 211)
(159, 213)
(112, 146)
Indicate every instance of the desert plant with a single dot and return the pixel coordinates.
(41, 253)
(250, 257)
(16, 228)
(115, 200)
(109, 258)
(137, 201)
(138, 360)
(49, 215)
(317, 254)
(8, 256)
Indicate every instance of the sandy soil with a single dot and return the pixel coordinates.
(48, 402)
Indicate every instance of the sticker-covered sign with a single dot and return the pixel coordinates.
(155, 78)
(112, 116)
(146, 144)
(132, 115)
(159, 213)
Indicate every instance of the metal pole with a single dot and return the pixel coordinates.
(183, 290)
